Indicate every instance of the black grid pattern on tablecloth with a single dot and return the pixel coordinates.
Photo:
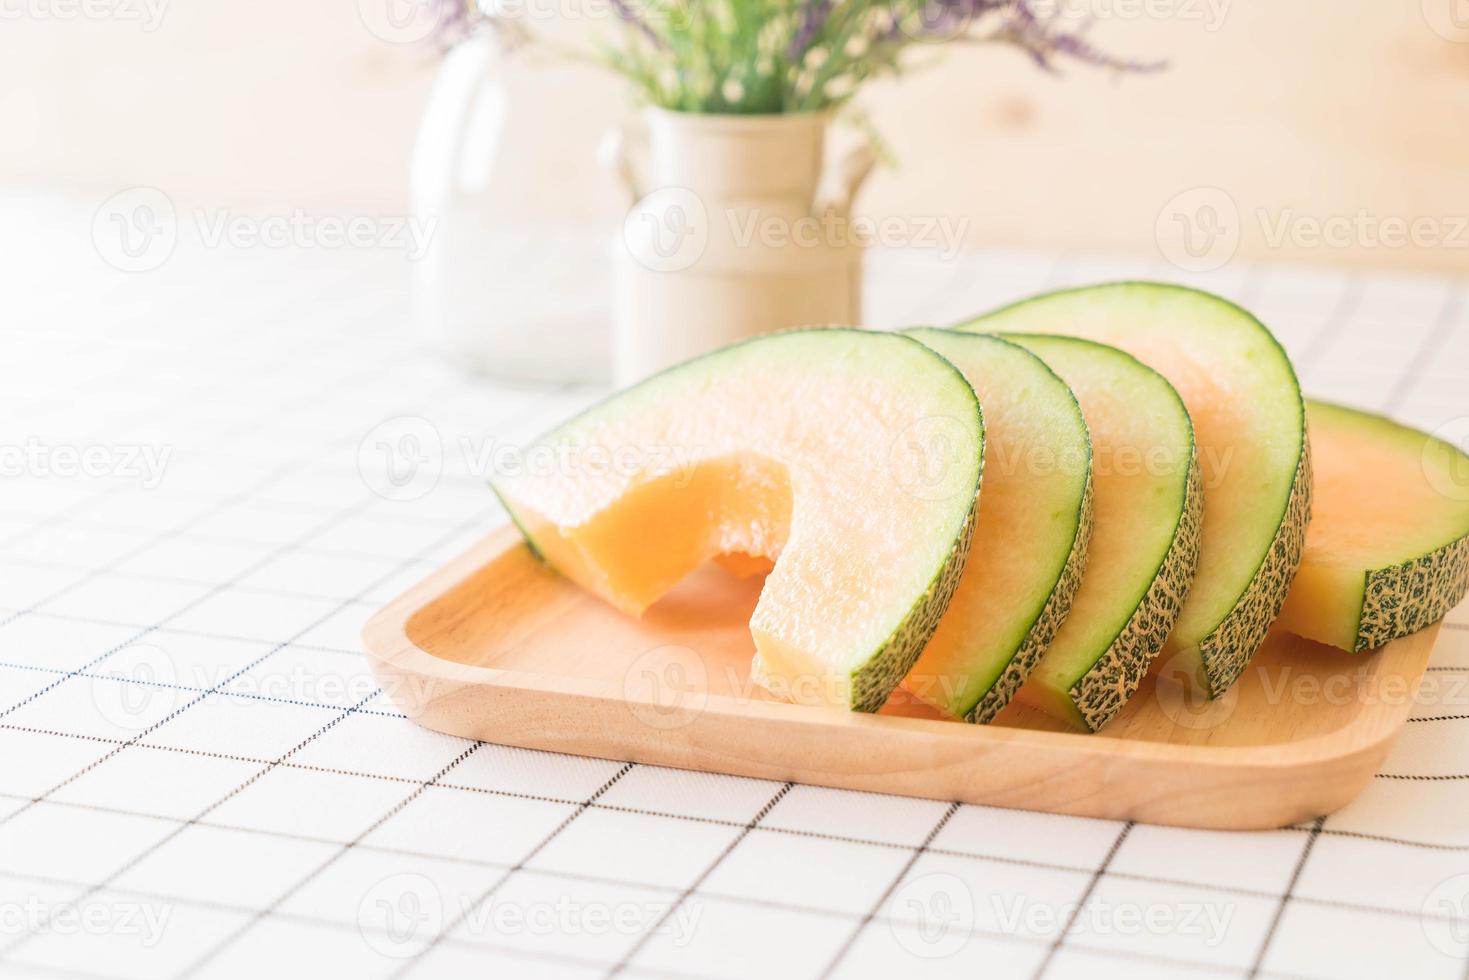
(270, 818)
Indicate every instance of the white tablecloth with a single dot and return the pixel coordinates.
(198, 775)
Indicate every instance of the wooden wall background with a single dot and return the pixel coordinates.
(1297, 110)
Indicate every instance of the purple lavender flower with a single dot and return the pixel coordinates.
(451, 21)
(814, 14)
(458, 20)
(1019, 24)
(942, 20)
(671, 49)
(631, 16)
(1042, 42)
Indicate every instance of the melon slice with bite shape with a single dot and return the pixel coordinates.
(1145, 538)
(1387, 552)
(1030, 539)
(1249, 421)
(850, 458)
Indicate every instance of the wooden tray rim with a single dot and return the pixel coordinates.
(385, 641)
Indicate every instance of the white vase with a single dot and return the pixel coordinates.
(739, 228)
(515, 280)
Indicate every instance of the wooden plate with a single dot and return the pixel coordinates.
(494, 646)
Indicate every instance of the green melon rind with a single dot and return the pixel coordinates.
(1110, 682)
(1052, 614)
(1403, 599)
(1063, 592)
(1115, 675)
(1226, 650)
(872, 683)
(530, 543)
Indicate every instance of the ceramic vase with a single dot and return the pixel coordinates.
(739, 226)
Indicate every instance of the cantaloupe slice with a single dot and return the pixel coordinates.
(1030, 539)
(1249, 422)
(1387, 552)
(1148, 500)
(851, 458)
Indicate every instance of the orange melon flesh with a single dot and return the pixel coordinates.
(1144, 544)
(1031, 531)
(1387, 552)
(741, 564)
(1249, 424)
(851, 459)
